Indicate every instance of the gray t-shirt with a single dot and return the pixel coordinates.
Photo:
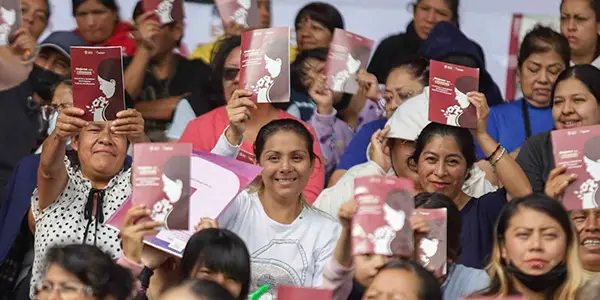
(536, 160)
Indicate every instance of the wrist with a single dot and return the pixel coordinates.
(234, 137)
(324, 109)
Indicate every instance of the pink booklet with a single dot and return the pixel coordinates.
(161, 181)
(10, 19)
(215, 182)
(381, 224)
(289, 292)
(432, 248)
(265, 65)
(448, 88)
(348, 53)
(97, 75)
(167, 11)
(578, 149)
(242, 12)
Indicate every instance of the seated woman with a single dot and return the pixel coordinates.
(544, 53)
(99, 25)
(81, 272)
(213, 254)
(79, 189)
(289, 240)
(204, 132)
(405, 80)
(535, 251)
(575, 103)
(460, 281)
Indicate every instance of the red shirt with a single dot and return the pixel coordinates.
(204, 132)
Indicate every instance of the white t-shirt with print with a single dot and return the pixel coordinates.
(288, 254)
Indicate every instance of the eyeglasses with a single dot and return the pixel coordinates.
(66, 290)
(49, 109)
(230, 73)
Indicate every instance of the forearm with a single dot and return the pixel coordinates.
(343, 252)
(134, 75)
(507, 170)
(331, 133)
(159, 109)
(51, 159)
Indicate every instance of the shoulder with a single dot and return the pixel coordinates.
(476, 279)
(373, 126)
(508, 108)
(393, 39)
(538, 142)
(194, 67)
(322, 221)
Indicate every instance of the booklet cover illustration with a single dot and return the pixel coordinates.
(348, 53)
(433, 247)
(265, 65)
(289, 292)
(578, 149)
(381, 224)
(167, 11)
(10, 19)
(161, 181)
(242, 12)
(97, 75)
(448, 88)
(215, 181)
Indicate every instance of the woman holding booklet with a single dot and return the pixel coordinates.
(79, 189)
(575, 104)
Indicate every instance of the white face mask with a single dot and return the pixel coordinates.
(52, 125)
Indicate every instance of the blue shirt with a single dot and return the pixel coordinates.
(477, 235)
(356, 152)
(506, 124)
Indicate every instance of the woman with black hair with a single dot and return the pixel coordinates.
(99, 25)
(83, 272)
(426, 13)
(405, 280)
(580, 24)
(315, 24)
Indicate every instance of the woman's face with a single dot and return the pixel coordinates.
(61, 284)
(537, 76)
(35, 16)
(587, 224)
(311, 68)
(264, 7)
(108, 87)
(101, 153)
(400, 86)
(172, 188)
(95, 21)
(393, 284)
(231, 73)
(579, 25)
(312, 34)
(233, 286)
(442, 168)
(286, 165)
(400, 151)
(534, 242)
(367, 267)
(428, 13)
(574, 105)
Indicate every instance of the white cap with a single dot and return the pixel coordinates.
(410, 118)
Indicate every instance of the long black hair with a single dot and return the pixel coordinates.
(429, 288)
(221, 51)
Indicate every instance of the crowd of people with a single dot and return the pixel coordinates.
(508, 234)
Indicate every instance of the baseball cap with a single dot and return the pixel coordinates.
(62, 41)
(410, 118)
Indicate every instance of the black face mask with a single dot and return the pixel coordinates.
(43, 81)
(539, 283)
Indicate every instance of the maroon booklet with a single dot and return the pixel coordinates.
(167, 11)
(578, 149)
(10, 19)
(242, 12)
(433, 247)
(448, 88)
(97, 74)
(289, 292)
(265, 66)
(381, 224)
(161, 181)
(348, 53)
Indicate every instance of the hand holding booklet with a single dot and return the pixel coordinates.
(167, 11)
(243, 12)
(214, 182)
(348, 53)
(433, 247)
(10, 19)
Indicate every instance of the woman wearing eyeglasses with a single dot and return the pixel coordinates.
(83, 272)
(204, 131)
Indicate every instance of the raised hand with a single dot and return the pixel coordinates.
(23, 43)
(322, 95)
(346, 213)
(239, 113)
(206, 223)
(132, 235)
(380, 152)
(557, 182)
(368, 84)
(478, 100)
(130, 123)
(148, 28)
(69, 123)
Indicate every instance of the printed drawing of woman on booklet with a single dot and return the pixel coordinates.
(110, 80)
(588, 190)
(173, 207)
(455, 114)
